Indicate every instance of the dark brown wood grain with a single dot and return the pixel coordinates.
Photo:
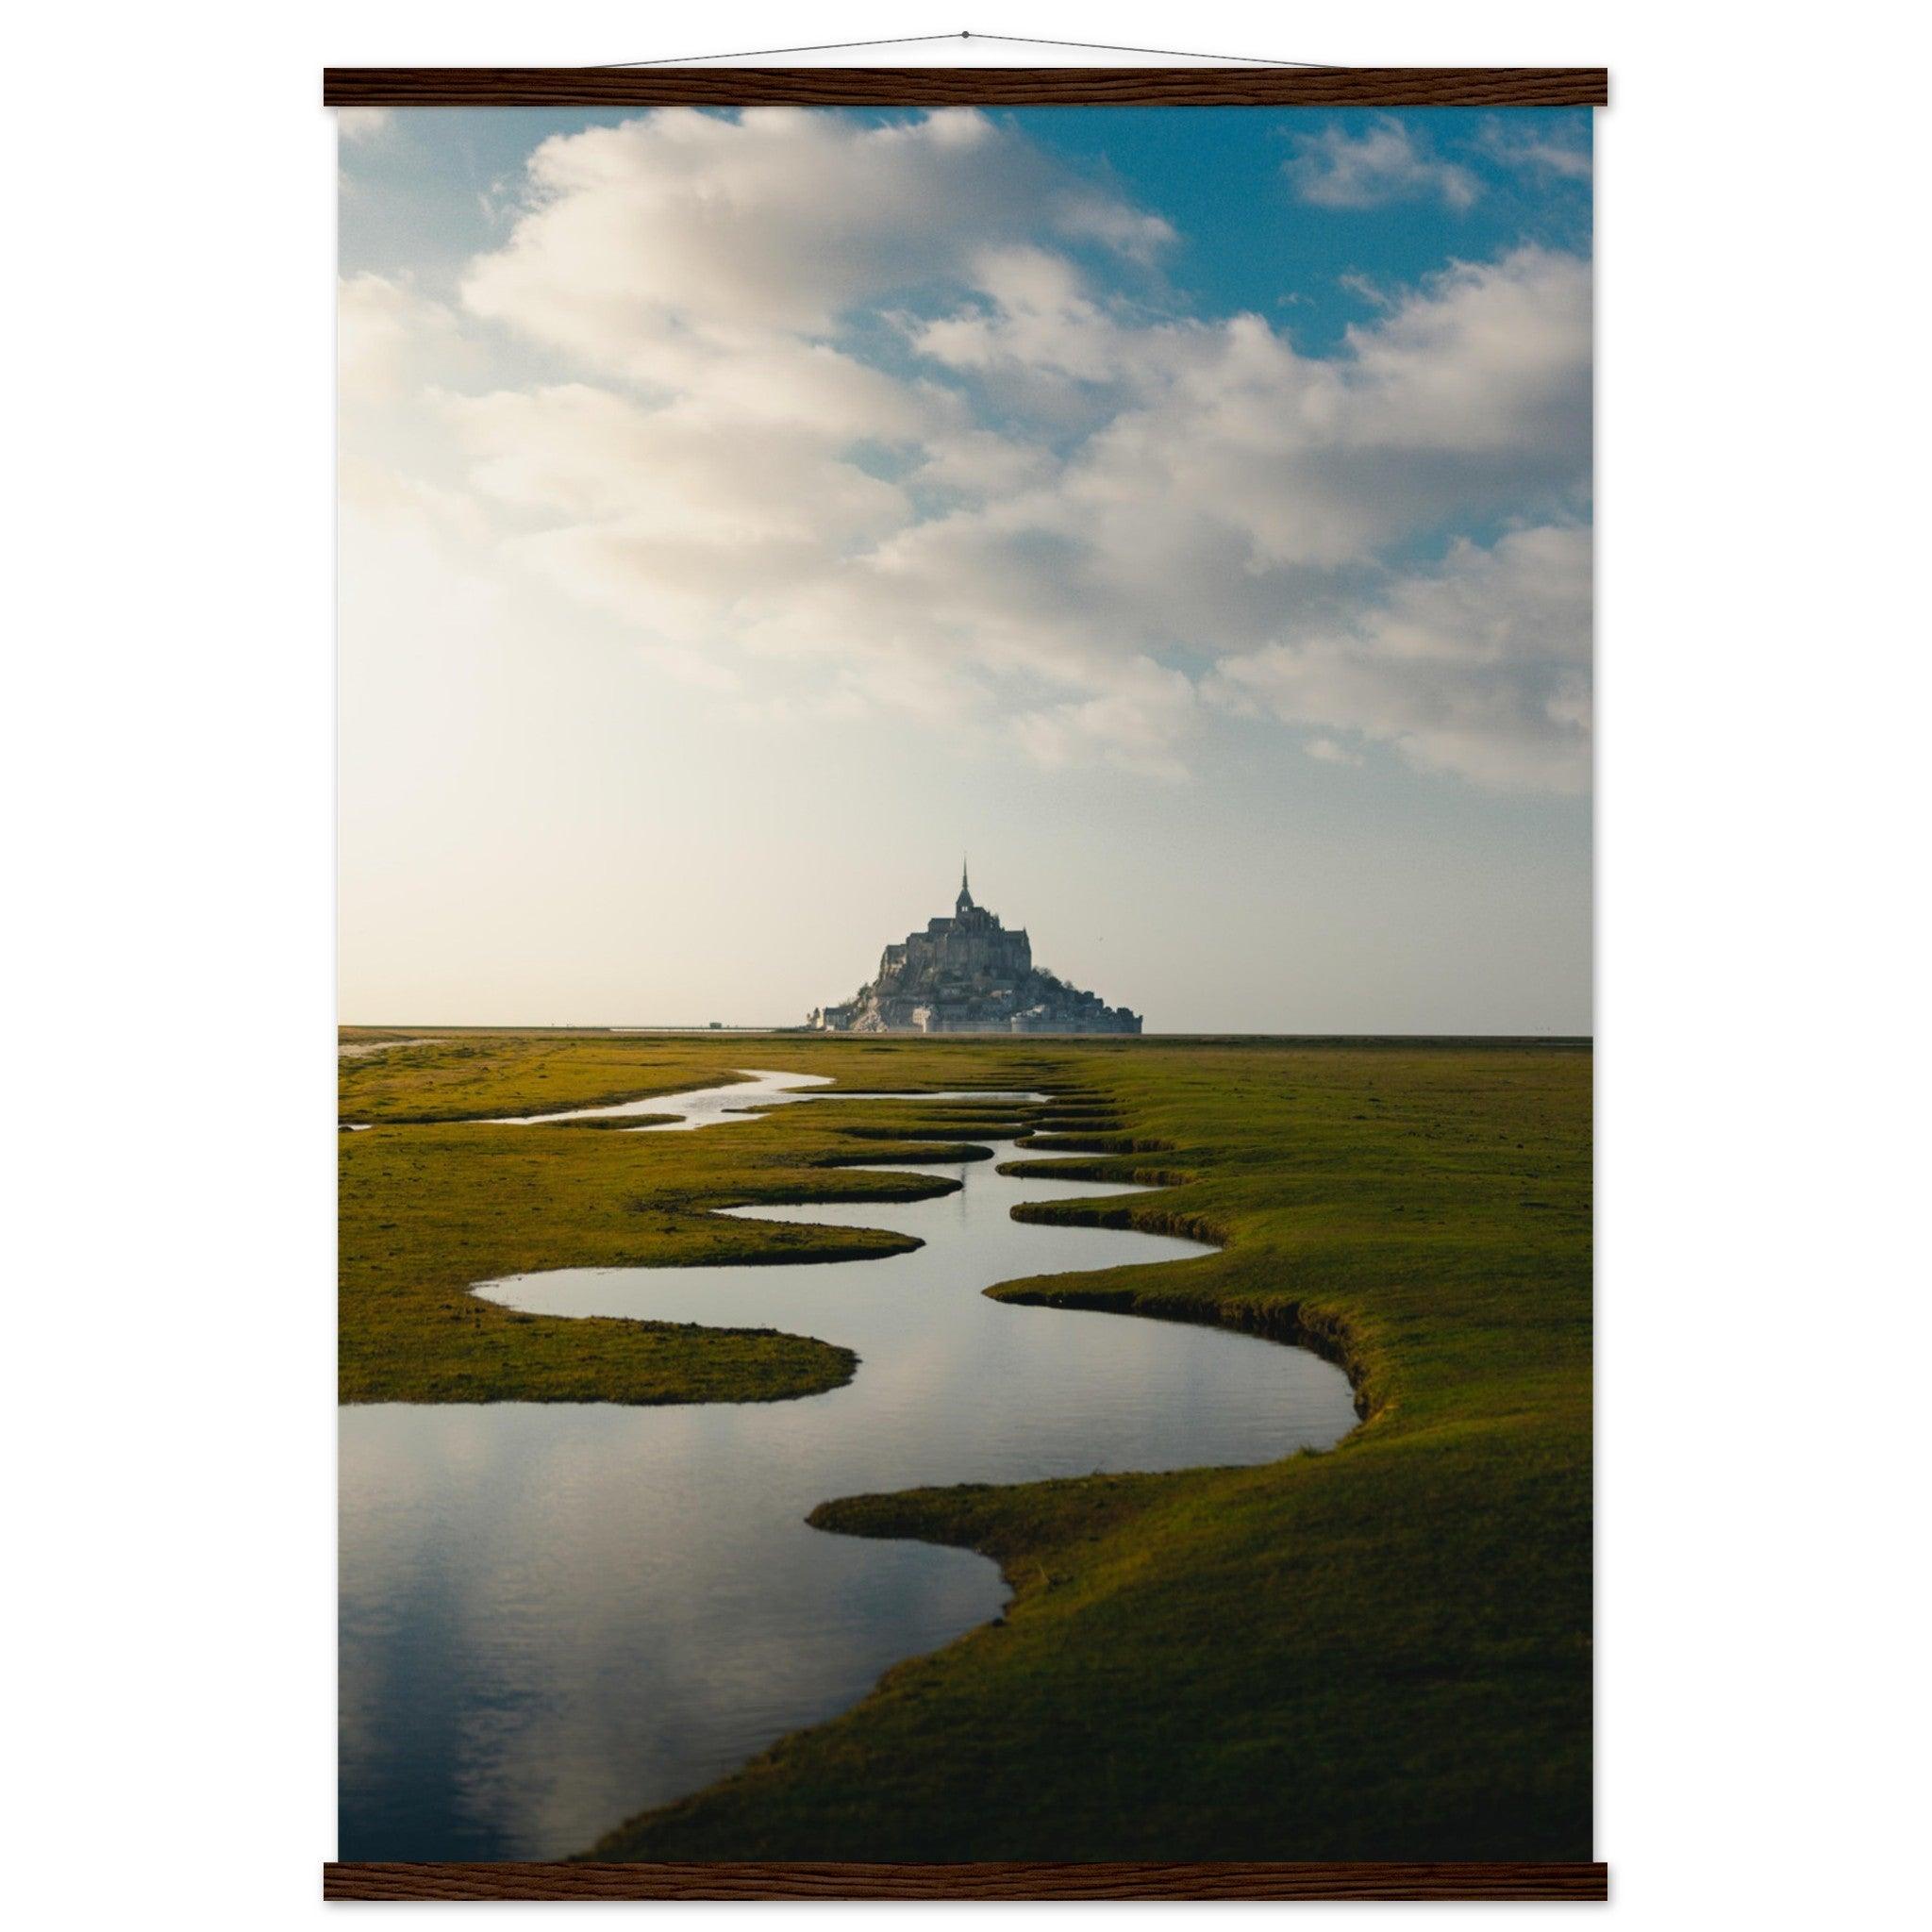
(1014, 1881)
(934, 87)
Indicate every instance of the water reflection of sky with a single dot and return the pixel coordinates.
(554, 1615)
(757, 1094)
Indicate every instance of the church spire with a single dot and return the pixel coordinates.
(964, 902)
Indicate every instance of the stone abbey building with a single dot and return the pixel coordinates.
(969, 974)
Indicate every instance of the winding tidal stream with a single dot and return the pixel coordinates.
(554, 1615)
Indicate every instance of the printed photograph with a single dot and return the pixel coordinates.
(965, 937)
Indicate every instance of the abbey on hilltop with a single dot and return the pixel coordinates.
(969, 974)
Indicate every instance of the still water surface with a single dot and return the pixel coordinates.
(554, 1615)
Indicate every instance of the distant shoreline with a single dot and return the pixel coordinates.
(1545, 1040)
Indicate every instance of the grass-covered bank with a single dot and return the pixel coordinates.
(401, 1074)
(1379, 1652)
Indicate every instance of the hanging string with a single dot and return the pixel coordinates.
(1008, 39)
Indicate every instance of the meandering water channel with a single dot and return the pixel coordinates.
(556, 1614)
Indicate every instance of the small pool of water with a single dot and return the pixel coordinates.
(554, 1615)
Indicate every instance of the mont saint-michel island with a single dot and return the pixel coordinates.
(969, 974)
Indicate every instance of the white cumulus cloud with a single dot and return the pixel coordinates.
(1538, 151)
(845, 417)
(645, 248)
(1480, 667)
(363, 124)
(1384, 163)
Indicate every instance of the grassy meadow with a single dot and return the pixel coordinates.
(1382, 1652)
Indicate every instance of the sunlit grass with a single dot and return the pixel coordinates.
(1382, 1652)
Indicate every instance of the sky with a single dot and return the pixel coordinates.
(1184, 511)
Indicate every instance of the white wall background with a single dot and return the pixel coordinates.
(167, 774)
